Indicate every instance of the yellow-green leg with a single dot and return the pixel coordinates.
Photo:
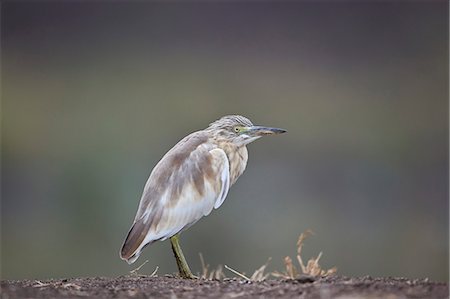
(183, 267)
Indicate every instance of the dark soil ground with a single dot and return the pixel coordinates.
(171, 287)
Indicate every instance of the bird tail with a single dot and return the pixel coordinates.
(134, 242)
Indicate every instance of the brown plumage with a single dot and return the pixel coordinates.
(190, 180)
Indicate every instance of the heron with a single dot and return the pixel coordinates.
(191, 180)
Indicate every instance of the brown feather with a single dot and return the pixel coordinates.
(187, 183)
(161, 179)
(162, 175)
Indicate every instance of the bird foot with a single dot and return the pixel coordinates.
(188, 276)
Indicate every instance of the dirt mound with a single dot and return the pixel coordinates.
(172, 287)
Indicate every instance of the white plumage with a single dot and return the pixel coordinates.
(189, 181)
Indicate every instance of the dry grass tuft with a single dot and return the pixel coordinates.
(218, 273)
(213, 274)
(312, 267)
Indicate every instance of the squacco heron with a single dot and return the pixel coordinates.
(188, 182)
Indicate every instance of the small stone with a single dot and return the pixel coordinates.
(306, 279)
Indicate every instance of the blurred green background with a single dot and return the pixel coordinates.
(93, 94)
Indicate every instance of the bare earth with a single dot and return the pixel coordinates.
(172, 287)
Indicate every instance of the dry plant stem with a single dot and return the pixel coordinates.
(218, 273)
(259, 275)
(290, 268)
(134, 271)
(237, 273)
(183, 266)
(300, 242)
(204, 267)
(154, 272)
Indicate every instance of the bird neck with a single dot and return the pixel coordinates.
(237, 158)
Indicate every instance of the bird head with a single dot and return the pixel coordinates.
(239, 130)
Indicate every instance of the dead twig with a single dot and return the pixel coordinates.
(154, 272)
(238, 273)
(134, 271)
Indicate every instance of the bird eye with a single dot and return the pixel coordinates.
(237, 129)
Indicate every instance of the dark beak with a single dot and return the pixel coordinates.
(261, 131)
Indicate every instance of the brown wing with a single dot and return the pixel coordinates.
(184, 186)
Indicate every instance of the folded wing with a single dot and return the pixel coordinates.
(188, 182)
